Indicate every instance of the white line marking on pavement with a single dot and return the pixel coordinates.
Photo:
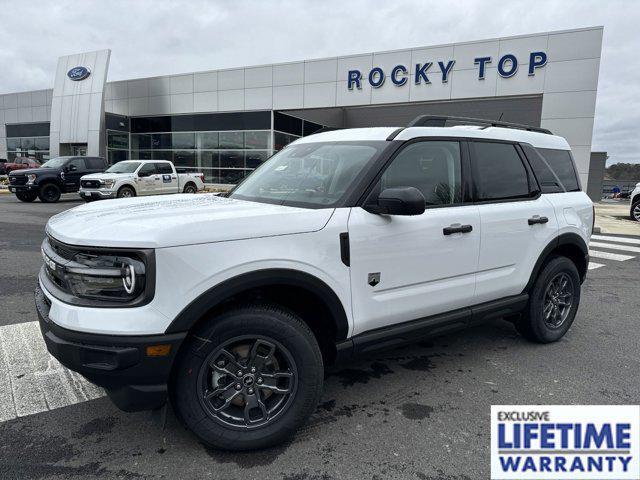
(31, 380)
(608, 238)
(612, 246)
(594, 265)
(609, 256)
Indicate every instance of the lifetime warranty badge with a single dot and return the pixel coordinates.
(565, 442)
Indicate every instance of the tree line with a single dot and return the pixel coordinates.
(624, 171)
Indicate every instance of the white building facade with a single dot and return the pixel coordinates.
(226, 122)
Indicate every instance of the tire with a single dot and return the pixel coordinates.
(126, 192)
(26, 196)
(548, 317)
(49, 193)
(634, 214)
(190, 188)
(209, 361)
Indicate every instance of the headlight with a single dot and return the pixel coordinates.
(31, 178)
(108, 183)
(105, 277)
(101, 276)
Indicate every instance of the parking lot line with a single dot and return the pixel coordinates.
(608, 238)
(613, 246)
(31, 380)
(610, 256)
(594, 265)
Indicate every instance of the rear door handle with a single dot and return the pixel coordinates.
(456, 228)
(537, 219)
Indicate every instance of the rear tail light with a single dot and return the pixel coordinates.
(593, 219)
(202, 177)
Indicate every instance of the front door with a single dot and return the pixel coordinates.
(74, 169)
(148, 180)
(409, 267)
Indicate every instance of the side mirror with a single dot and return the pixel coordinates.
(72, 168)
(400, 201)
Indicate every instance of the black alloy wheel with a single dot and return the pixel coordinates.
(553, 302)
(635, 211)
(49, 193)
(247, 377)
(190, 188)
(558, 299)
(247, 382)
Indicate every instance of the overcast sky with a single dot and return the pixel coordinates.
(158, 37)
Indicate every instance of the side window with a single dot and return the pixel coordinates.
(147, 170)
(562, 164)
(498, 172)
(433, 167)
(78, 163)
(94, 163)
(163, 168)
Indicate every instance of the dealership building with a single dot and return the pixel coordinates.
(226, 122)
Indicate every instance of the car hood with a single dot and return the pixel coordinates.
(100, 176)
(26, 171)
(182, 219)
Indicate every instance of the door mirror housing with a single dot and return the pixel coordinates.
(72, 168)
(399, 201)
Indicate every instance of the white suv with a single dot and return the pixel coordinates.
(634, 212)
(342, 243)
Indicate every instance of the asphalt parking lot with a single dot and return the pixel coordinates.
(418, 413)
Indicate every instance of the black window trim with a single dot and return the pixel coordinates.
(532, 182)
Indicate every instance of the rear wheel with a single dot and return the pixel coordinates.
(49, 193)
(26, 196)
(248, 378)
(553, 302)
(126, 192)
(190, 188)
(635, 211)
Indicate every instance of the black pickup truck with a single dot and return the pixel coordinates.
(55, 177)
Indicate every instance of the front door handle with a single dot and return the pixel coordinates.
(456, 228)
(537, 219)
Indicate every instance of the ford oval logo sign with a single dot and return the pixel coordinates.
(78, 73)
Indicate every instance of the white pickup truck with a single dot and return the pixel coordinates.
(131, 178)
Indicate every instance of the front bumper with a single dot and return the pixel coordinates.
(133, 379)
(96, 194)
(29, 187)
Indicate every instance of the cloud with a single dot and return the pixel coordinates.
(157, 37)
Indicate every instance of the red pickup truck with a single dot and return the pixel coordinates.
(19, 163)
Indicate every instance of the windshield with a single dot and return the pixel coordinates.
(123, 167)
(55, 162)
(308, 174)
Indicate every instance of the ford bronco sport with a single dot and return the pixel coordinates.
(342, 243)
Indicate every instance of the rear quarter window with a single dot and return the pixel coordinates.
(553, 168)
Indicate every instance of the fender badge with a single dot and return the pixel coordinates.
(374, 279)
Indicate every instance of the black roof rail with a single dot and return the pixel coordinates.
(442, 120)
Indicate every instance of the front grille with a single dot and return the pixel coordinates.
(18, 179)
(90, 183)
(61, 249)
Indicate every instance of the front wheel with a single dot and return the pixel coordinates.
(126, 192)
(49, 193)
(553, 302)
(635, 211)
(248, 378)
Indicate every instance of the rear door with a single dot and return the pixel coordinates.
(168, 178)
(517, 221)
(409, 267)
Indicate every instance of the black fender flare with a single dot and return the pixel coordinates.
(572, 239)
(261, 278)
